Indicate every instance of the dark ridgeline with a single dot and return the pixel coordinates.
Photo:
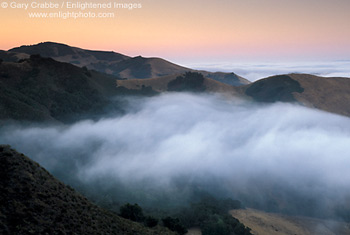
(42, 89)
(115, 64)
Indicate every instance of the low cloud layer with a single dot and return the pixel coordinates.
(255, 71)
(241, 147)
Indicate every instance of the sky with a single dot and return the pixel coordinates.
(190, 31)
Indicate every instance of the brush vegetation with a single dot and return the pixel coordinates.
(34, 202)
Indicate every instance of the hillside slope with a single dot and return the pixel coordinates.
(161, 84)
(12, 56)
(118, 64)
(41, 89)
(328, 94)
(107, 62)
(72, 55)
(34, 202)
(263, 223)
(140, 68)
(331, 94)
(227, 78)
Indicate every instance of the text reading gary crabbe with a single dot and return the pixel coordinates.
(71, 5)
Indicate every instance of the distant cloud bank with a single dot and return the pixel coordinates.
(255, 71)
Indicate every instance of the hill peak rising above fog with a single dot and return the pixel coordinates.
(33, 86)
(117, 64)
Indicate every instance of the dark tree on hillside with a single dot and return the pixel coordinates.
(35, 56)
(190, 81)
(132, 212)
(211, 215)
(174, 225)
(150, 221)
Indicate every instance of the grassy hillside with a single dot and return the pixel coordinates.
(117, 64)
(263, 223)
(107, 62)
(34, 202)
(41, 89)
(328, 94)
(167, 83)
(227, 78)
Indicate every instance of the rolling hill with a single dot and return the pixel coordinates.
(227, 78)
(12, 56)
(330, 94)
(36, 88)
(140, 68)
(161, 84)
(263, 223)
(68, 87)
(106, 62)
(34, 202)
(72, 55)
(116, 64)
(42, 89)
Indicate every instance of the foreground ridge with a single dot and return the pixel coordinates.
(32, 201)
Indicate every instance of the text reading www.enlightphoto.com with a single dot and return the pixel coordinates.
(70, 9)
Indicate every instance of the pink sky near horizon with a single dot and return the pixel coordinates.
(197, 30)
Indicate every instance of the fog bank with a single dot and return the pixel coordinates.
(255, 71)
(251, 152)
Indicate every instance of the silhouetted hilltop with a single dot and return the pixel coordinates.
(118, 64)
(107, 62)
(65, 53)
(34, 202)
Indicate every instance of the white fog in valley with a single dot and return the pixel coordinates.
(244, 148)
